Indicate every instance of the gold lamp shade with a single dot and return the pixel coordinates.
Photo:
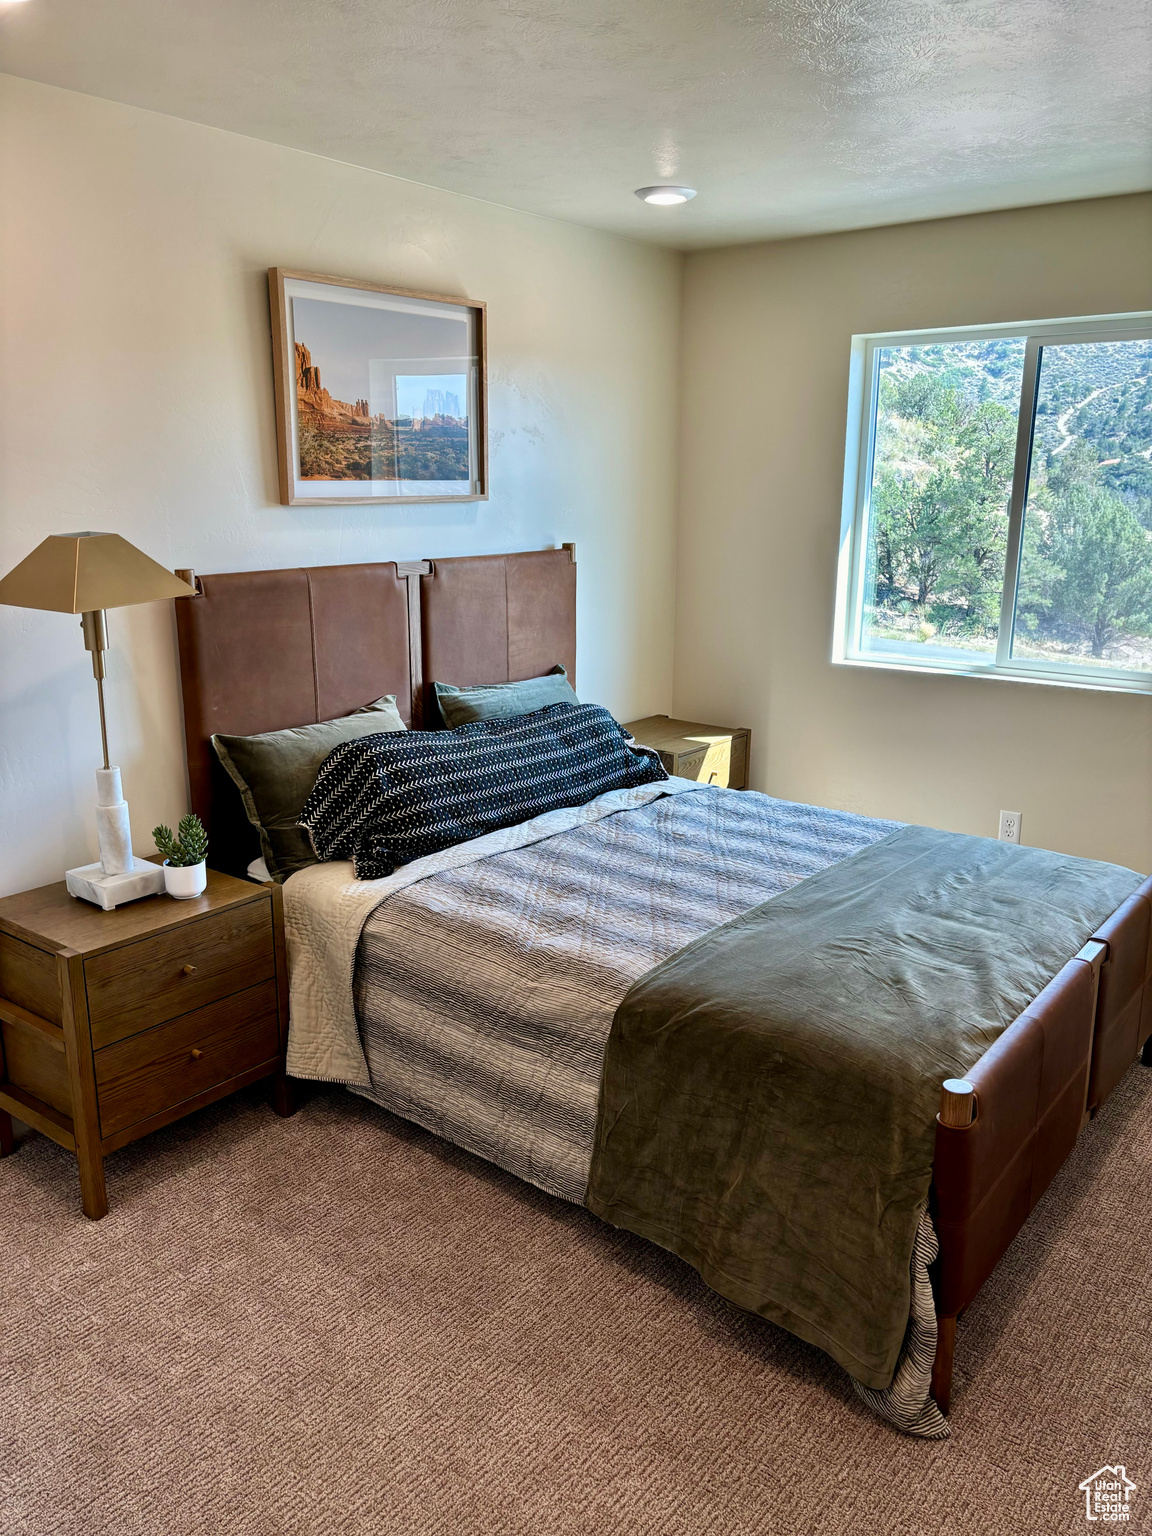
(85, 572)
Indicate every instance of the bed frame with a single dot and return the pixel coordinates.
(263, 650)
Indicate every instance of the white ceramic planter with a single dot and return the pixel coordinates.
(187, 881)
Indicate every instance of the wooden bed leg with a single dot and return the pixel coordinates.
(283, 1095)
(7, 1135)
(958, 1110)
(942, 1365)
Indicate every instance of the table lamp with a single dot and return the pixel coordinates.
(86, 573)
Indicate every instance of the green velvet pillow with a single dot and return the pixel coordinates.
(500, 701)
(275, 773)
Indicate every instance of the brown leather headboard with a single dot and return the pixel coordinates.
(498, 618)
(263, 650)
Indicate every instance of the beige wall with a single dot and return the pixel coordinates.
(134, 353)
(137, 397)
(764, 400)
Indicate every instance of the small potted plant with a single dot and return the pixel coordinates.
(185, 872)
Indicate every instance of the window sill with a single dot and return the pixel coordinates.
(1108, 683)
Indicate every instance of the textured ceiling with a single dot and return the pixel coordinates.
(790, 117)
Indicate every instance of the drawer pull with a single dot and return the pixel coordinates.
(196, 1053)
(189, 970)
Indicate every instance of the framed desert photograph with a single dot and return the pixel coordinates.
(380, 392)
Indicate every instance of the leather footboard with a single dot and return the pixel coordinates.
(1061, 1057)
(1124, 1012)
(1031, 1093)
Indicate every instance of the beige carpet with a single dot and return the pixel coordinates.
(337, 1324)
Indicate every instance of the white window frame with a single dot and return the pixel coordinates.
(863, 388)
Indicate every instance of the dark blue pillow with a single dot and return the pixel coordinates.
(388, 799)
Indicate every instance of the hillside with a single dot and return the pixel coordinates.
(1099, 394)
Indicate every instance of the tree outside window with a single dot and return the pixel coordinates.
(994, 545)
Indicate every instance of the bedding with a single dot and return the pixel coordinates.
(499, 701)
(275, 771)
(481, 1012)
(473, 991)
(386, 800)
(769, 1092)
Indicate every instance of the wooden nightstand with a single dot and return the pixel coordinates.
(712, 754)
(115, 1023)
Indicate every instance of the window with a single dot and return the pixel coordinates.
(998, 503)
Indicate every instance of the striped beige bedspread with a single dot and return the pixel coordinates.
(473, 992)
(485, 993)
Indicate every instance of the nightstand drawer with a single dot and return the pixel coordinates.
(166, 975)
(162, 1067)
(685, 765)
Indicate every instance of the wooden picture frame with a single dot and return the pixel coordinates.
(384, 445)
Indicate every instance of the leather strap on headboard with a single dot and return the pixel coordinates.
(262, 650)
(498, 618)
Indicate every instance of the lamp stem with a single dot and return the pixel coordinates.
(95, 626)
(103, 718)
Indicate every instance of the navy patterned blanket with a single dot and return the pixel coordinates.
(385, 800)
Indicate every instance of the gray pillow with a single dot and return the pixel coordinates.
(500, 701)
(275, 772)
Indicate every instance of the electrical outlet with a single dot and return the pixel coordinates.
(1010, 826)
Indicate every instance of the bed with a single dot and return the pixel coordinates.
(456, 1034)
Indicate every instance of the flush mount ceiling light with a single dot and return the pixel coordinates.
(664, 197)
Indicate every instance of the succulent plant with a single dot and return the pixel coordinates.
(189, 845)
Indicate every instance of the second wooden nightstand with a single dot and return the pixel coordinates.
(712, 754)
(116, 1023)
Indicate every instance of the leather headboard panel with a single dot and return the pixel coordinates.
(498, 618)
(262, 650)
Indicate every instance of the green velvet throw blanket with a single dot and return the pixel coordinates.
(768, 1102)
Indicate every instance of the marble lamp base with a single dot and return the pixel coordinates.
(120, 876)
(90, 883)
